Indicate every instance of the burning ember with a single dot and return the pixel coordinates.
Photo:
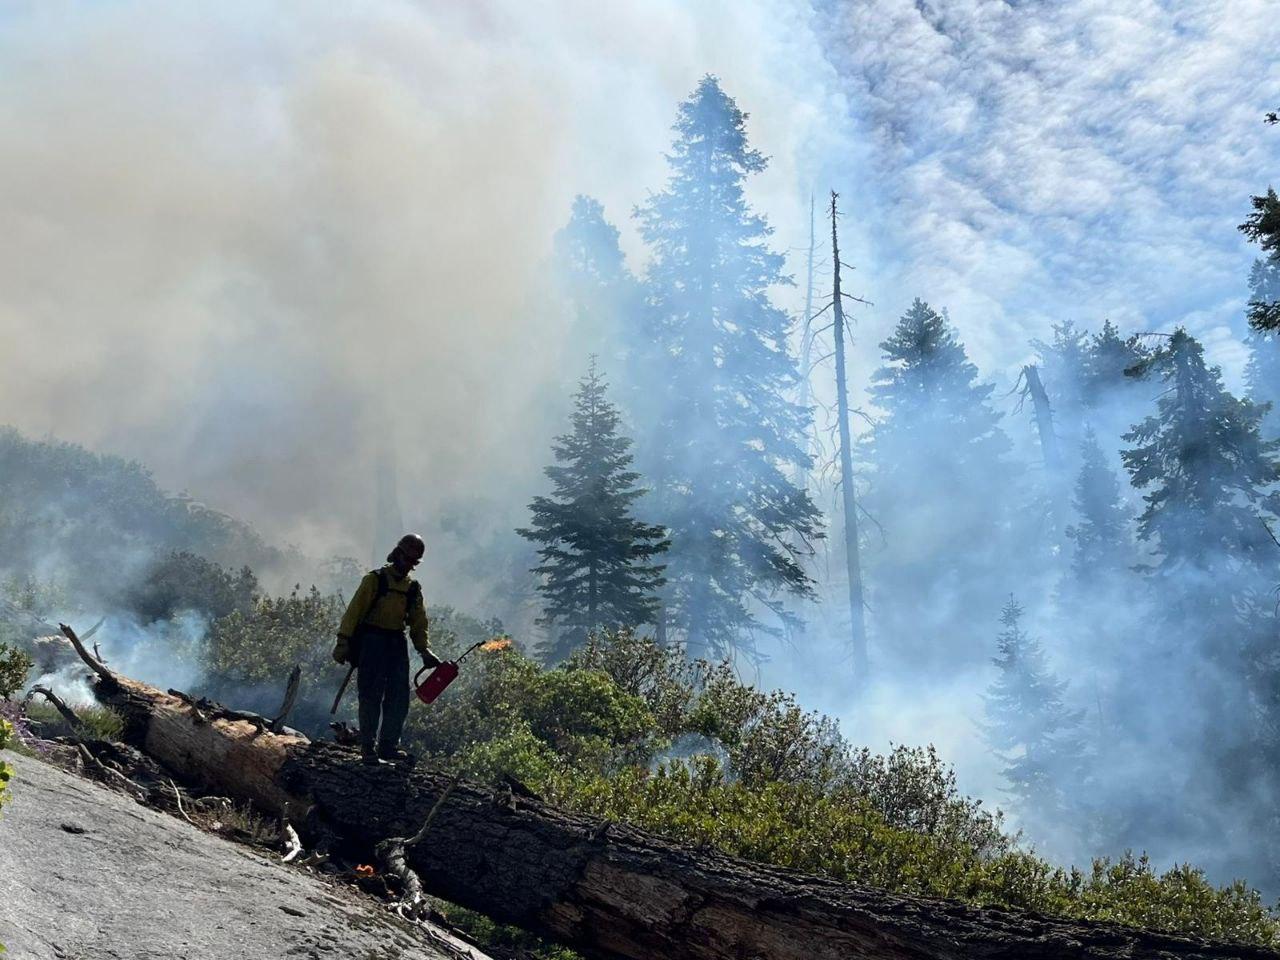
(497, 643)
(364, 871)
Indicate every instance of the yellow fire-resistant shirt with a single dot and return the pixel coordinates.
(389, 612)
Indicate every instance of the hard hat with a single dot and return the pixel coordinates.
(412, 545)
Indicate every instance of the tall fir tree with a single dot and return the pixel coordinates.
(1263, 228)
(1112, 396)
(721, 439)
(1032, 730)
(1262, 372)
(592, 276)
(1209, 477)
(942, 491)
(1108, 358)
(598, 568)
(1084, 377)
(1102, 554)
(1063, 363)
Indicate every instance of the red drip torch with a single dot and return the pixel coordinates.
(443, 675)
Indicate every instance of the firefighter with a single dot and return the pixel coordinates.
(371, 637)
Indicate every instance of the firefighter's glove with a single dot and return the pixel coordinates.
(341, 651)
(429, 659)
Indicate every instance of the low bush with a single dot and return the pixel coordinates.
(773, 783)
(15, 668)
(97, 722)
(631, 731)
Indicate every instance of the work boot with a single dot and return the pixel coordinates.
(371, 758)
(393, 755)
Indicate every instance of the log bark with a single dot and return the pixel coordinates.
(610, 892)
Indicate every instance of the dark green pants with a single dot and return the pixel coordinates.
(383, 684)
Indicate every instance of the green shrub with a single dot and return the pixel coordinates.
(913, 790)
(791, 825)
(844, 835)
(15, 667)
(515, 752)
(661, 677)
(97, 722)
(504, 714)
(249, 654)
(769, 738)
(262, 644)
(1130, 891)
(184, 581)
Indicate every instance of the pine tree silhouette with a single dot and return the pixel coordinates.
(598, 564)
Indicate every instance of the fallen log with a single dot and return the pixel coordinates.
(223, 753)
(608, 891)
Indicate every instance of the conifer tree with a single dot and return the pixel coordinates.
(1110, 396)
(1263, 228)
(1100, 600)
(1030, 726)
(1108, 358)
(598, 564)
(1209, 478)
(721, 440)
(1100, 533)
(1208, 474)
(1084, 377)
(592, 276)
(1262, 373)
(942, 492)
(1063, 368)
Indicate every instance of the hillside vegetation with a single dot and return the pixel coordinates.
(634, 732)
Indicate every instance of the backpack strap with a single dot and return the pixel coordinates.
(383, 587)
(414, 593)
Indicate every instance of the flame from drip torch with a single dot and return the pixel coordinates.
(497, 643)
(364, 870)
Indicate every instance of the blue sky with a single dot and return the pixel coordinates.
(1065, 160)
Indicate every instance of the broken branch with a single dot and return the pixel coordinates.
(391, 853)
(92, 662)
(106, 773)
(290, 697)
(177, 797)
(292, 843)
(67, 713)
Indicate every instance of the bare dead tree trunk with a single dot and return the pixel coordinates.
(853, 559)
(1049, 447)
(1044, 418)
(806, 341)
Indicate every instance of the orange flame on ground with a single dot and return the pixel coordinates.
(364, 871)
(497, 643)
